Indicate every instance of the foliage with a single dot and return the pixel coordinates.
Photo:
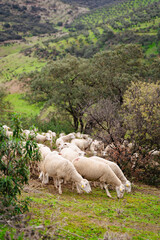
(139, 165)
(4, 105)
(15, 155)
(141, 114)
(67, 84)
(115, 69)
(92, 3)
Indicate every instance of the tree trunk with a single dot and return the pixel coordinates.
(76, 123)
(81, 124)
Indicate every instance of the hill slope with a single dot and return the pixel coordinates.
(92, 3)
(47, 31)
(32, 18)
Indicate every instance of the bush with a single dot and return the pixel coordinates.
(138, 166)
(15, 157)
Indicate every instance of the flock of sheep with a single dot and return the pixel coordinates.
(70, 164)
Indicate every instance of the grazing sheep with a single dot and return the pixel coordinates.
(154, 152)
(59, 143)
(6, 127)
(94, 170)
(61, 140)
(41, 139)
(116, 169)
(97, 146)
(73, 147)
(44, 151)
(69, 154)
(68, 137)
(53, 134)
(83, 144)
(9, 133)
(62, 169)
(108, 149)
(62, 134)
(81, 135)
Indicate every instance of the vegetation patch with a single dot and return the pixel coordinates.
(89, 216)
(21, 106)
(15, 64)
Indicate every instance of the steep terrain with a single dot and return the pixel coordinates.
(33, 18)
(35, 32)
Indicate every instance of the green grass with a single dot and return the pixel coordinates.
(91, 215)
(152, 49)
(15, 64)
(21, 106)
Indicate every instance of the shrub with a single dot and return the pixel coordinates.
(15, 156)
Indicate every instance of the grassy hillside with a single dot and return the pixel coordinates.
(48, 31)
(127, 22)
(23, 107)
(90, 216)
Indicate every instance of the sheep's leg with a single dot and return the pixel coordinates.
(79, 190)
(95, 184)
(55, 183)
(45, 178)
(73, 186)
(101, 185)
(60, 188)
(41, 175)
(107, 191)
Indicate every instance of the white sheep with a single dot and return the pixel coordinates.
(154, 152)
(6, 127)
(53, 134)
(9, 133)
(44, 151)
(68, 137)
(97, 146)
(94, 170)
(108, 148)
(62, 134)
(69, 154)
(83, 144)
(62, 169)
(26, 133)
(116, 169)
(61, 140)
(73, 147)
(41, 139)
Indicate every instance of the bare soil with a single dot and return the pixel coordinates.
(15, 86)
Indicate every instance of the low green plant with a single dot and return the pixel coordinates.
(15, 156)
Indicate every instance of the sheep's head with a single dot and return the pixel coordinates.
(120, 191)
(128, 186)
(82, 154)
(84, 185)
(71, 135)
